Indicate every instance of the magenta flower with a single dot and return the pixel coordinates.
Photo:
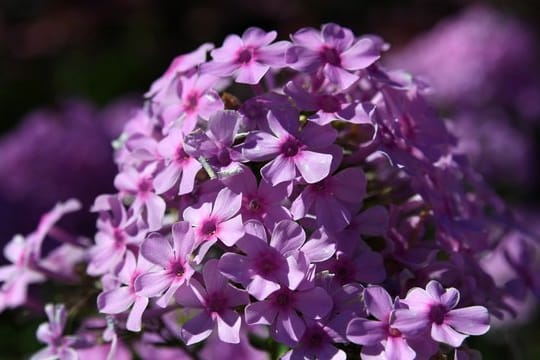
(216, 144)
(261, 202)
(172, 258)
(292, 150)
(58, 346)
(117, 229)
(334, 51)
(247, 58)
(281, 311)
(216, 302)
(433, 309)
(379, 338)
(333, 199)
(120, 299)
(24, 253)
(267, 266)
(140, 185)
(196, 98)
(217, 221)
(316, 343)
(179, 167)
(328, 107)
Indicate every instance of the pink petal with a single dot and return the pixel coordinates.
(261, 288)
(312, 165)
(366, 332)
(155, 208)
(251, 73)
(235, 267)
(288, 328)
(281, 169)
(157, 250)
(227, 204)
(445, 334)
(260, 313)
(197, 329)
(228, 327)
(213, 280)
(472, 320)
(152, 284)
(397, 349)
(287, 237)
(378, 303)
(231, 230)
(135, 315)
(359, 56)
(115, 301)
(314, 303)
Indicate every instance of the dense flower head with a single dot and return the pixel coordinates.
(324, 215)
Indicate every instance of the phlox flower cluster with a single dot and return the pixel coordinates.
(292, 198)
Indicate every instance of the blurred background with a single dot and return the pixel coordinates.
(72, 72)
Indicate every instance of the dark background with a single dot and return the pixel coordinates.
(100, 50)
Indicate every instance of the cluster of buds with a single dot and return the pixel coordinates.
(291, 198)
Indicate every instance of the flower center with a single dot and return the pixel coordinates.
(343, 270)
(283, 299)
(216, 302)
(181, 155)
(245, 55)
(331, 56)
(254, 205)
(223, 157)
(290, 147)
(267, 263)
(209, 228)
(394, 332)
(145, 185)
(177, 268)
(119, 237)
(191, 102)
(315, 338)
(437, 314)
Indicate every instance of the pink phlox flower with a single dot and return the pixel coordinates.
(173, 260)
(308, 151)
(195, 98)
(58, 345)
(120, 298)
(215, 221)
(139, 185)
(355, 262)
(334, 51)
(267, 265)
(286, 311)
(255, 110)
(333, 199)
(247, 58)
(24, 253)
(215, 302)
(178, 166)
(316, 343)
(261, 201)
(320, 246)
(117, 230)
(379, 338)
(216, 145)
(433, 310)
(328, 106)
